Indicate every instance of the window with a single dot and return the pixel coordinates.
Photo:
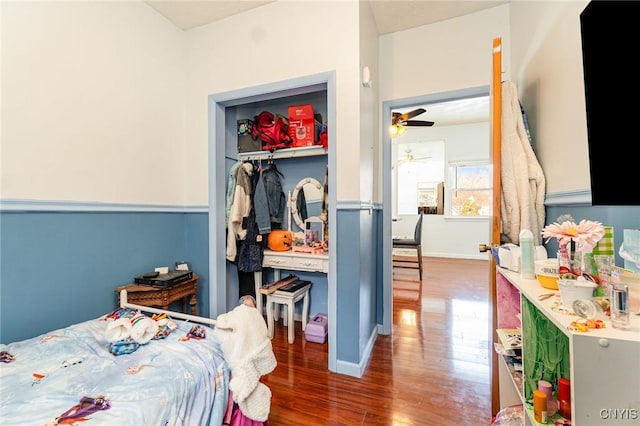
(470, 186)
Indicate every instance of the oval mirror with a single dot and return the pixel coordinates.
(306, 201)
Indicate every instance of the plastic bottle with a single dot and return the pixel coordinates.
(564, 397)
(552, 404)
(540, 406)
(526, 255)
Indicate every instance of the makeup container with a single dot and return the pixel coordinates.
(620, 317)
(564, 397)
(540, 406)
(552, 404)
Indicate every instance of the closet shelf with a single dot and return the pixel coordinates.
(303, 151)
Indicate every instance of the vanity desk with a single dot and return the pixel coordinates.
(289, 260)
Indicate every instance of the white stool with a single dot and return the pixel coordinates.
(288, 298)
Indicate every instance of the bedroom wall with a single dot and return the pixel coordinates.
(547, 68)
(133, 94)
(144, 86)
(281, 41)
(446, 56)
(104, 110)
(92, 103)
(542, 55)
(92, 172)
(366, 329)
(278, 41)
(60, 268)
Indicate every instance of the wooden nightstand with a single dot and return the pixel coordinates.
(147, 295)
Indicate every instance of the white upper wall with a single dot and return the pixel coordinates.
(448, 55)
(369, 104)
(275, 42)
(547, 62)
(441, 57)
(107, 101)
(92, 103)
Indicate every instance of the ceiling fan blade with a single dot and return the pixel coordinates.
(418, 123)
(409, 115)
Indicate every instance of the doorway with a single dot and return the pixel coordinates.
(387, 157)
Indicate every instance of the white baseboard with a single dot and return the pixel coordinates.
(357, 370)
(410, 252)
(479, 256)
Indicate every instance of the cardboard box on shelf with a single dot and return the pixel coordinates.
(301, 125)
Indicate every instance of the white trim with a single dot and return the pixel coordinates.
(577, 198)
(24, 205)
(385, 236)
(479, 218)
(356, 205)
(218, 103)
(302, 151)
(479, 256)
(357, 370)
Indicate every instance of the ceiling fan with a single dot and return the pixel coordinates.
(399, 121)
(409, 157)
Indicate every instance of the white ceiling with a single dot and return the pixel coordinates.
(390, 16)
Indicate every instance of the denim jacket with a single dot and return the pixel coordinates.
(276, 200)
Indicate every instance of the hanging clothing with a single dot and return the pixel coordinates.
(231, 189)
(523, 181)
(261, 205)
(276, 199)
(251, 249)
(240, 208)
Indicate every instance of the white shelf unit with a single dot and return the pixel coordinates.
(604, 363)
(303, 151)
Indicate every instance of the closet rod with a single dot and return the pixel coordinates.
(303, 151)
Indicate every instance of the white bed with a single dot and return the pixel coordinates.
(170, 381)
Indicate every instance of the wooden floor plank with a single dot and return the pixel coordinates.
(433, 369)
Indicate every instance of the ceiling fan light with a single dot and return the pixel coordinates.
(396, 130)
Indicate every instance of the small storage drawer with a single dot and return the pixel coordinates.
(296, 261)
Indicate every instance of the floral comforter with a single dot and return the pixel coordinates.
(69, 376)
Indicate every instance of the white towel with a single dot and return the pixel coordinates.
(119, 329)
(143, 328)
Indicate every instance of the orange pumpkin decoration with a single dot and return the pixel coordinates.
(279, 240)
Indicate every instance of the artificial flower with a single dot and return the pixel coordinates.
(585, 234)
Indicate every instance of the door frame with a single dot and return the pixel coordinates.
(387, 246)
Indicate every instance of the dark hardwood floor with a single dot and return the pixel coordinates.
(433, 369)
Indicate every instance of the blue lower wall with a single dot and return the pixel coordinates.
(62, 267)
(357, 287)
(59, 268)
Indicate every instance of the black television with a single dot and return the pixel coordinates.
(610, 32)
